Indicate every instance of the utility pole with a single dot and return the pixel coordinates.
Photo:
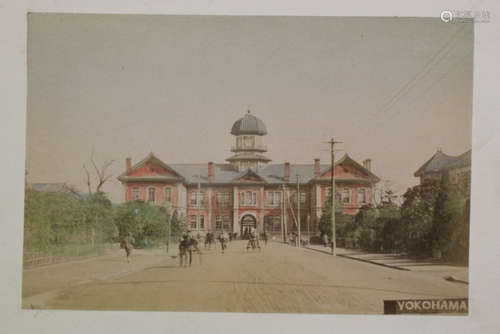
(285, 236)
(170, 215)
(298, 209)
(332, 143)
(199, 200)
(283, 213)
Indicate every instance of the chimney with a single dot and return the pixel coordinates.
(316, 167)
(368, 164)
(211, 172)
(128, 164)
(287, 172)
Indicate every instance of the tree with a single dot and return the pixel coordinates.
(417, 213)
(388, 197)
(99, 218)
(448, 218)
(325, 222)
(145, 223)
(391, 233)
(101, 174)
(364, 229)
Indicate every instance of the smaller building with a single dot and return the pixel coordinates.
(457, 167)
(60, 188)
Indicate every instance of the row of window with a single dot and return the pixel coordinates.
(346, 195)
(151, 194)
(223, 199)
(197, 222)
(273, 223)
(222, 222)
(245, 142)
(248, 198)
(273, 198)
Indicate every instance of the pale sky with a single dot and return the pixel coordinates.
(391, 89)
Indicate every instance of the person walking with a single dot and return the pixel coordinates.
(325, 239)
(184, 251)
(264, 237)
(127, 243)
(223, 238)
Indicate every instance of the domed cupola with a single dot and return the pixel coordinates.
(248, 125)
(249, 147)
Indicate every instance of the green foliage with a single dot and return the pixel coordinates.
(147, 224)
(325, 223)
(54, 220)
(391, 233)
(435, 218)
(459, 244)
(449, 221)
(417, 214)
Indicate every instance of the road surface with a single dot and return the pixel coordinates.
(280, 278)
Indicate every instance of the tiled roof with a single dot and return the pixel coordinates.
(62, 188)
(248, 156)
(226, 173)
(440, 161)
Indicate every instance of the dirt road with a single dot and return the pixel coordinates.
(279, 278)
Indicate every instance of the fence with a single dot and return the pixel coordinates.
(67, 253)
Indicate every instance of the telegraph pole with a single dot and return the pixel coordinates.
(283, 214)
(298, 208)
(198, 197)
(332, 143)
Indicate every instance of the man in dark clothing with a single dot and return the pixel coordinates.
(127, 244)
(264, 237)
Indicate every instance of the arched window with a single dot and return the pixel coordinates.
(151, 194)
(135, 194)
(346, 196)
(362, 195)
(168, 194)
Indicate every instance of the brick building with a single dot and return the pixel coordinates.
(248, 191)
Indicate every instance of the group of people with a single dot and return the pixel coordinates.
(189, 244)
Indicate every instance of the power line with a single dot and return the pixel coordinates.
(441, 54)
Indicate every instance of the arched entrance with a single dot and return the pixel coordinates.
(247, 222)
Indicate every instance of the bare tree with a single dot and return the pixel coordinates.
(101, 173)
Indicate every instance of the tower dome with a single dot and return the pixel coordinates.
(249, 132)
(248, 125)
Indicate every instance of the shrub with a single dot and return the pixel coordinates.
(145, 223)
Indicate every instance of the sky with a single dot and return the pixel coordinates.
(390, 89)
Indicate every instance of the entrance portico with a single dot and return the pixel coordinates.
(245, 221)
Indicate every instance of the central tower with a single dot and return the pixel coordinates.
(249, 147)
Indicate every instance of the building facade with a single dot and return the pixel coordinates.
(248, 191)
(457, 167)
